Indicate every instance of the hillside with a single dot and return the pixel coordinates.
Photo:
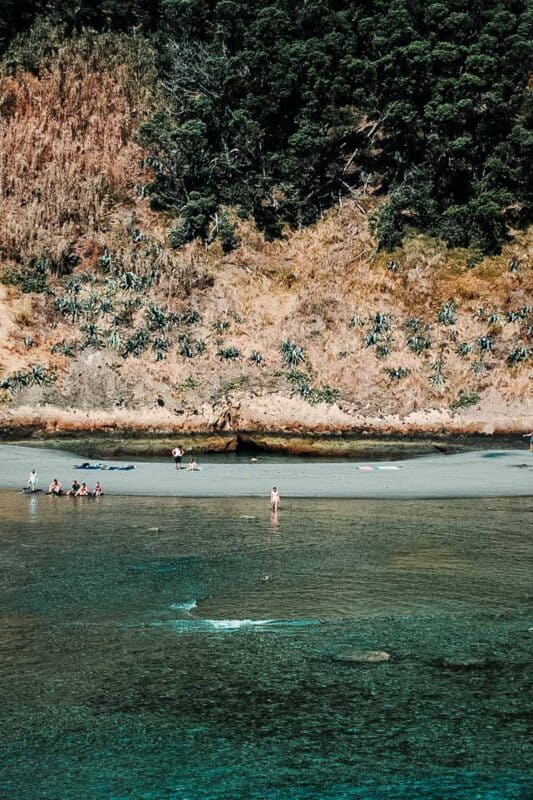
(105, 323)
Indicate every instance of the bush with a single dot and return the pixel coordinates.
(464, 400)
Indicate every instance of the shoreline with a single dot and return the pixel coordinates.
(491, 473)
(127, 442)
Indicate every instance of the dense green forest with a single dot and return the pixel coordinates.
(275, 109)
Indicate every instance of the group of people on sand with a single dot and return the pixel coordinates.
(178, 452)
(77, 489)
(55, 488)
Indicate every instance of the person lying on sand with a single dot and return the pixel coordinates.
(55, 487)
(73, 489)
(83, 491)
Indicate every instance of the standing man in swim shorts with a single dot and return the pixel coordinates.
(274, 498)
(178, 455)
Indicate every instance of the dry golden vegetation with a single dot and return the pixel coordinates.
(67, 153)
(69, 176)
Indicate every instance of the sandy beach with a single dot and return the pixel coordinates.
(491, 473)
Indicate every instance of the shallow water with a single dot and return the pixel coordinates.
(219, 656)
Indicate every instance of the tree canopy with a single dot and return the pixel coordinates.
(277, 108)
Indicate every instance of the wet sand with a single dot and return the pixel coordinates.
(488, 473)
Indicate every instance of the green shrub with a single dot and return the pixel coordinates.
(464, 400)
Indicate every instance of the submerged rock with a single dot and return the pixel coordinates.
(463, 664)
(364, 657)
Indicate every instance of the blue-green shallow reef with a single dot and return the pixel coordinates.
(225, 654)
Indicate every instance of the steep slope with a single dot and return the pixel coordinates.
(318, 331)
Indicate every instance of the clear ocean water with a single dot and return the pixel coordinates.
(165, 649)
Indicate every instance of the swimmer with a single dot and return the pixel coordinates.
(83, 491)
(274, 499)
(55, 487)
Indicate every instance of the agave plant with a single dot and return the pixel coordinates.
(519, 354)
(413, 324)
(393, 266)
(464, 349)
(189, 348)
(383, 349)
(136, 344)
(64, 349)
(256, 358)
(220, 326)
(485, 344)
(447, 314)
(40, 376)
(160, 347)
(28, 342)
(382, 322)
(69, 306)
(397, 373)
(113, 339)
(355, 321)
(371, 338)
(418, 344)
(291, 353)
(156, 318)
(229, 353)
(93, 336)
(105, 307)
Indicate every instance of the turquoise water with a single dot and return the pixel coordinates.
(222, 655)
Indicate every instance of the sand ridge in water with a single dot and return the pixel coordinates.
(476, 474)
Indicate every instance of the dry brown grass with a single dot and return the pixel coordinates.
(67, 154)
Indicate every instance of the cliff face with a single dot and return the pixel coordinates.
(317, 332)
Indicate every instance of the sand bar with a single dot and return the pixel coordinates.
(479, 474)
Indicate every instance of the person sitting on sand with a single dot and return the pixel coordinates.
(33, 480)
(98, 491)
(83, 491)
(274, 498)
(192, 465)
(73, 489)
(55, 487)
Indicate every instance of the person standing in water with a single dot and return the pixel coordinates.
(33, 480)
(530, 437)
(178, 453)
(274, 499)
